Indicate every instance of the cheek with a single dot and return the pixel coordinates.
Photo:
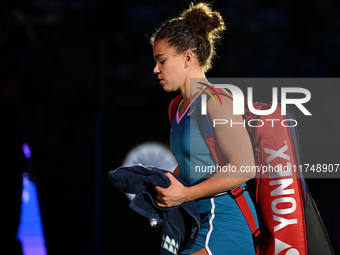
(176, 70)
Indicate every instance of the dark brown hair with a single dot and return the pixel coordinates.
(197, 28)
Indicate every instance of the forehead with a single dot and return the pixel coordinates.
(162, 48)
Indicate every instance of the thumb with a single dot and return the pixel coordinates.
(169, 175)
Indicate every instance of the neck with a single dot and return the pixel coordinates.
(189, 89)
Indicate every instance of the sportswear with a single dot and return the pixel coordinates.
(224, 229)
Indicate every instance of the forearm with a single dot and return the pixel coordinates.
(219, 182)
(177, 194)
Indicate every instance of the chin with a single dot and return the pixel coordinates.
(167, 89)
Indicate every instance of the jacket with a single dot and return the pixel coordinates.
(180, 224)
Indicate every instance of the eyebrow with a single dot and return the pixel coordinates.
(159, 55)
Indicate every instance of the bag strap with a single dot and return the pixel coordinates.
(237, 194)
(173, 107)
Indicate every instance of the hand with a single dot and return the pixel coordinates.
(174, 195)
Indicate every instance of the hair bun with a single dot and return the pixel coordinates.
(197, 29)
(202, 18)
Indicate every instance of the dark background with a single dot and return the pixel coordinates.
(76, 83)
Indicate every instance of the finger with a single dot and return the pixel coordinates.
(158, 189)
(170, 176)
(159, 203)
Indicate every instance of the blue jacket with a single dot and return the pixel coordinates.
(180, 224)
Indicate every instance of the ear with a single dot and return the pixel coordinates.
(188, 58)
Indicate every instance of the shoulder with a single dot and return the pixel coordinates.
(221, 105)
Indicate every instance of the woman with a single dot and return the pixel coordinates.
(183, 49)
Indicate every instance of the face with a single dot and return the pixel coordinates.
(170, 66)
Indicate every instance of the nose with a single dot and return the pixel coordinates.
(156, 69)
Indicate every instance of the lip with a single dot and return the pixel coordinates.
(161, 81)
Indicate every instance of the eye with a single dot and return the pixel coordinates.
(162, 62)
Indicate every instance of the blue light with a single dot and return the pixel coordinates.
(27, 151)
(30, 231)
